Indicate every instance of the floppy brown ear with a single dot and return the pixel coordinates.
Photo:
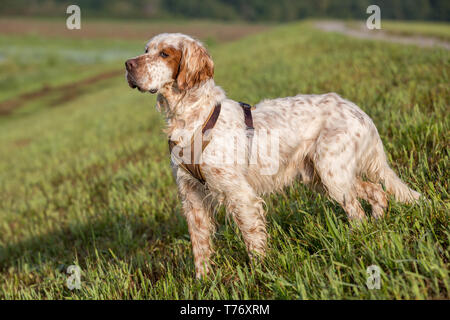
(196, 66)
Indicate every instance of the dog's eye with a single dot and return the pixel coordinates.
(163, 54)
(146, 50)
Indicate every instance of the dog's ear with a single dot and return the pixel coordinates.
(195, 66)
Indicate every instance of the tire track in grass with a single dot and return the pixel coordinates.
(67, 92)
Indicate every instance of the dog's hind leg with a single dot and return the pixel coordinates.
(374, 194)
(335, 165)
(346, 196)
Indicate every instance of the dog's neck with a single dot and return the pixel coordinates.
(188, 109)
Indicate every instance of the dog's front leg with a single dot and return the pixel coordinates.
(199, 218)
(248, 213)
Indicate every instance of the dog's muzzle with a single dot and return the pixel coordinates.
(130, 64)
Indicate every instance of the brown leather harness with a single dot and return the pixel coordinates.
(193, 165)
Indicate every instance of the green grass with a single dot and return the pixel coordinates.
(28, 62)
(433, 29)
(88, 181)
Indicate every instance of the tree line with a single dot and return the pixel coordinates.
(247, 10)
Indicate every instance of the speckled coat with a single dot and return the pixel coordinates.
(322, 140)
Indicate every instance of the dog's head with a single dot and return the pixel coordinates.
(170, 59)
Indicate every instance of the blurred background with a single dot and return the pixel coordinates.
(84, 166)
(124, 26)
(244, 10)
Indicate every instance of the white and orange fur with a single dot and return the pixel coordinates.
(325, 141)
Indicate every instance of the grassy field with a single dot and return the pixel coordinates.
(85, 176)
(439, 30)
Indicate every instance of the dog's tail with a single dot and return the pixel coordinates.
(378, 169)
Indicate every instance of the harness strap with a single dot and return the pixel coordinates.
(195, 152)
(193, 167)
(249, 130)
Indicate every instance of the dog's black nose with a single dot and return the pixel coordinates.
(130, 64)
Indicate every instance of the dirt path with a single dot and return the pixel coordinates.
(364, 33)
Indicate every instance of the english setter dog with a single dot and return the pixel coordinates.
(323, 140)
